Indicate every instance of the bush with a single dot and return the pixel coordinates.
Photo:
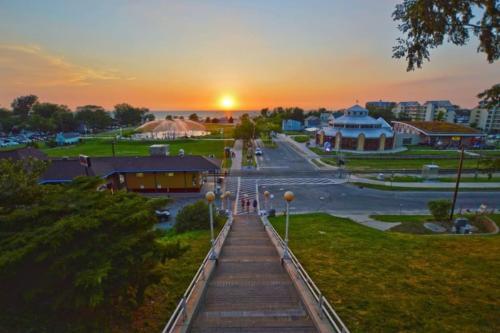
(194, 217)
(440, 209)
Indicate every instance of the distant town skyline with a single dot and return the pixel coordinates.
(198, 55)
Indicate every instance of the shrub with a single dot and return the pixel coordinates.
(194, 217)
(440, 209)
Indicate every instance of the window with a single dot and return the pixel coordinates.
(139, 175)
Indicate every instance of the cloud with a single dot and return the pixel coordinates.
(32, 66)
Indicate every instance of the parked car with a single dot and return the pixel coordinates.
(258, 151)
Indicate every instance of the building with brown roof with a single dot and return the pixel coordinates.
(436, 133)
(139, 174)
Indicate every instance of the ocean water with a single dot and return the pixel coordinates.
(202, 114)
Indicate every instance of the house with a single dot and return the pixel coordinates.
(324, 117)
(312, 121)
(68, 138)
(356, 130)
(436, 133)
(291, 125)
(380, 105)
(138, 173)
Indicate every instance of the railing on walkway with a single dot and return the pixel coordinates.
(325, 306)
(180, 310)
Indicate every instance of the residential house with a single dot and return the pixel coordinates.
(291, 125)
(312, 121)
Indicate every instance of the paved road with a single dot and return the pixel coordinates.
(284, 158)
(283, 168)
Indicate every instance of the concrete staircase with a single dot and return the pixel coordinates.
(250, 291)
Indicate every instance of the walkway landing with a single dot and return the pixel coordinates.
(250, 291)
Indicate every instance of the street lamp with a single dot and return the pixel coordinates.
(227, 196)
(288, 196)
(266, 198)
(210, 196)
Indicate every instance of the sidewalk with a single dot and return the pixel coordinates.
(485, 186)
(238, 150)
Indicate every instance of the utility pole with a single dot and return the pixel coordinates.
(457, 185)
(113, 147)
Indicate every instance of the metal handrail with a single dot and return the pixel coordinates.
(181, 306)
(325, 306)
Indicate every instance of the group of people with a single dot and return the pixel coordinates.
(245, 204)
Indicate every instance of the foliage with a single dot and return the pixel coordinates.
(22, 105)
(246, 129)
(392, 282)
(127, 115)
(195, 217)
(427, 24)
(7, 120)
(72, 258)
(193, 117)
(93, 117)
(490, 98)
(440, 209)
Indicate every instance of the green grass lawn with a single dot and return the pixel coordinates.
(162, 298)
(466, 179)
(126, 131)
(301, 138)
(215, 130)
(436, 189)
(267, 140)
(414, 224)
(102, 147)
(408, 164)
(393, 282)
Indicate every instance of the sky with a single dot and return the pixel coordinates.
(189, 54)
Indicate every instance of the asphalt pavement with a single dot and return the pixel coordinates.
(278, 167)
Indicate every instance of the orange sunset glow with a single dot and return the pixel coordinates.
(182, 56)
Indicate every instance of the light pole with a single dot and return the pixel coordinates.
(288, 196)
(210, 196)
(266, 198)
(227, 196)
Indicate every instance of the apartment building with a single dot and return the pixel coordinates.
(409, 110)
(487, 120)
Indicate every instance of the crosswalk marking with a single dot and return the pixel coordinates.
(247, 188)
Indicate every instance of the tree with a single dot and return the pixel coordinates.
(194, 217)
(207, 119)
(264, 112)
(230, 120)
(490, 98)
(21, 106)
(7, 120)
(168, 117)
(193, 117)
(426, 24)
(49, 117)
(440, 115)
(93, 117)
(246, 129)
(71, 257)
(440, 209)
(149, 117)
(127, 115)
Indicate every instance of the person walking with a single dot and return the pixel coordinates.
(248, 206)
(254, 204)
(242, 204)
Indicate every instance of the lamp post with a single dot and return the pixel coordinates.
(266, 198)
(288, 196)
(210, 196)
(227, 196)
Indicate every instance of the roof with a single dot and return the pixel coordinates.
(369, 133)
(312, 118)
(441, 128)
(62, 170)
(23, 153)
(69, 135)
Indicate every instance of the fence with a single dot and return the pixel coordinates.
(180, 310)
(327, 310)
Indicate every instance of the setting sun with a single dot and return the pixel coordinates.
(227, 102)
